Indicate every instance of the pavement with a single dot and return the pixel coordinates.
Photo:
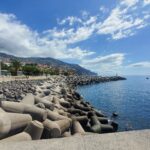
(13, 78)
(132, 140)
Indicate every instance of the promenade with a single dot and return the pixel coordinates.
(13, 78)
(133, 140)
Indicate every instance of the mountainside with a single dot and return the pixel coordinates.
(48, 61)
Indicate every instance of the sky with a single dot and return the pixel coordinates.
(107, 37)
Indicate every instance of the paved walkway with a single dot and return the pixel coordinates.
(134, 140)
(12, 78)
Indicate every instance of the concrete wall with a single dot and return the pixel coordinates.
(133, 140)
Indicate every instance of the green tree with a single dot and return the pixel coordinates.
(31, 69)
(4, 66)
(15, 66)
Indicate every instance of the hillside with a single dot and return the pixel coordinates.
(48, 61)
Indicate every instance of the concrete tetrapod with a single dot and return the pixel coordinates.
(103, 120)
(40, 105)
(76, 111)
(82, 119)
(28, 99)
(12, 121)
(66, 134)
(56, 101)
(32, 132)
(81, 107)
(51, 129)
(95, 112)
(55, 116)
(63, 113)
(64, 103)
(97, 127)
(106, 128)
(23, 136)
(64, 125)
(35, 129)
(1, 110)
(99, 113)
(47, 103)
(95, 124)
(77, 128)
(36, 113)
(114, 125)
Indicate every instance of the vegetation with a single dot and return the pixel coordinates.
(31, 69)
(15, 66)
(34, 69)
(4, 66)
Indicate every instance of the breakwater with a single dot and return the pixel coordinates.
(50, 108)
(85, 80)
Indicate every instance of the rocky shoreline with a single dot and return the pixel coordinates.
(50, 108)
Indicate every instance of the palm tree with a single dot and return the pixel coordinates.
(15, 66)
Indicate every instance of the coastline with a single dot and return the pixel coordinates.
(58, 109)
(85, 80)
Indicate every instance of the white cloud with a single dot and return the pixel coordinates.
(120, 24)
(91, 20)
(70, 36)
(71, 20)
(103, 9)
(123, 21)
(17, 38)
(144, 64)
(129, 2)
(146, 2)
(81, 34)
(105, 63)
(78, 53)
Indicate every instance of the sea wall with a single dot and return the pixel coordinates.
(130, 140)
(84, 80)
(49, 108)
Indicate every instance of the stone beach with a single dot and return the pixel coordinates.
(50, 108)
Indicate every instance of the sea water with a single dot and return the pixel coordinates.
(129, 98)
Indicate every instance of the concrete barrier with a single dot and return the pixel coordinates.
(36, 113)
(9, 122)
(1, 110)
(77, 128)
(64, 125)
(47, 104)
(55, 116)
(35, 129)
(79, 106)
(95, 124)
(103, 120)
(51, 129)
(106, 128)
(23, 136)
(66, 134)
(82, 119)
(28, 99)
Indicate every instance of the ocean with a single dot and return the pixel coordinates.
(129, 98)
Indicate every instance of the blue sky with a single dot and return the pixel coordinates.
(107, 37)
